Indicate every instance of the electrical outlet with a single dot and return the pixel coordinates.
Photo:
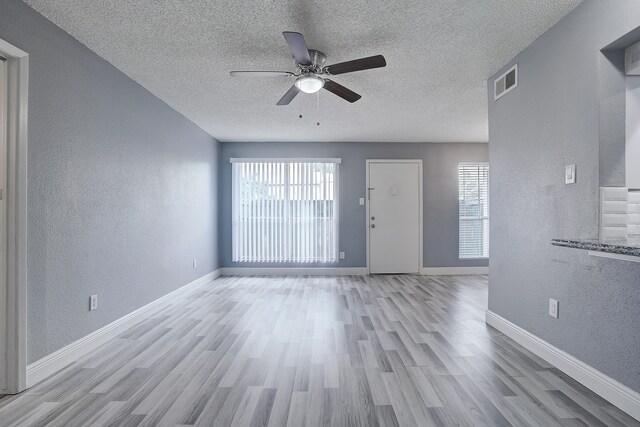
(195, 264)
(93, 302)
(361, 201)
(341, 255)
(553, 308)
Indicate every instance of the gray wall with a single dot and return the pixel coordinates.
(440, 169)
(550, 120)
(121, 188)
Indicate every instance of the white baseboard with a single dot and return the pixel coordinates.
(453, 271)
(615, 392)
(276, 271)
(343, 271)
(49, 365)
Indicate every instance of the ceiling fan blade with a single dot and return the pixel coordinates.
(341, 91)
(298, 47)
(288, 97)
(357, 65)
(261, 74)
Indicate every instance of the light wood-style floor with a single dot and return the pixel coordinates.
(338, 351)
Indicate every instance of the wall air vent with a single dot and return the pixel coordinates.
(632, 60)
(506, 82)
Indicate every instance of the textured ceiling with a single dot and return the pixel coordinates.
(439, 55)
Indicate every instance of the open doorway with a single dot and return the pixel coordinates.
(13, 215)
(3, 222)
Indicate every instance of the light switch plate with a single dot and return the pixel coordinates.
(361, 201)
(570, 174)
(553, 308)
(93, 302)
(341, 255)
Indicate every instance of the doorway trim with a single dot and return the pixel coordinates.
(15, 197)
(420, 206)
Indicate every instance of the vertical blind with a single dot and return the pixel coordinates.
(473, 181)
(285, 210)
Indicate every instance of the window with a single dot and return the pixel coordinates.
(473, 181)
(285, 210)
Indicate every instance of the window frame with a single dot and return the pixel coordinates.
(481, 218)
(336, 201)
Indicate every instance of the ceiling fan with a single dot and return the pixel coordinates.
(311, 73)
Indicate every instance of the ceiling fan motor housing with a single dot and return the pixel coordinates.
(317, 62)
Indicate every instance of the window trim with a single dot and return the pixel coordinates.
(460, 258)
(336, 196)
(284, 160)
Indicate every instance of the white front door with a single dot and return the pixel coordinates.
(395, 216)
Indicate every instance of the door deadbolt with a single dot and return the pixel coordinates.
(373, 218)
(373, 226)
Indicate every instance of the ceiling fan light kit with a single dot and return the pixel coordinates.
(309, 84)
(311, 74)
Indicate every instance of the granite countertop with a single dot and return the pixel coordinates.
(622, 246)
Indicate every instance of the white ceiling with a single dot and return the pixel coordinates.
(439, 55)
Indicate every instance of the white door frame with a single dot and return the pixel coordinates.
(15, 198)
(420, 207)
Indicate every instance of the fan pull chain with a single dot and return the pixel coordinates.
(318, 108)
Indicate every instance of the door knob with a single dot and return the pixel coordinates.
(373, 226)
